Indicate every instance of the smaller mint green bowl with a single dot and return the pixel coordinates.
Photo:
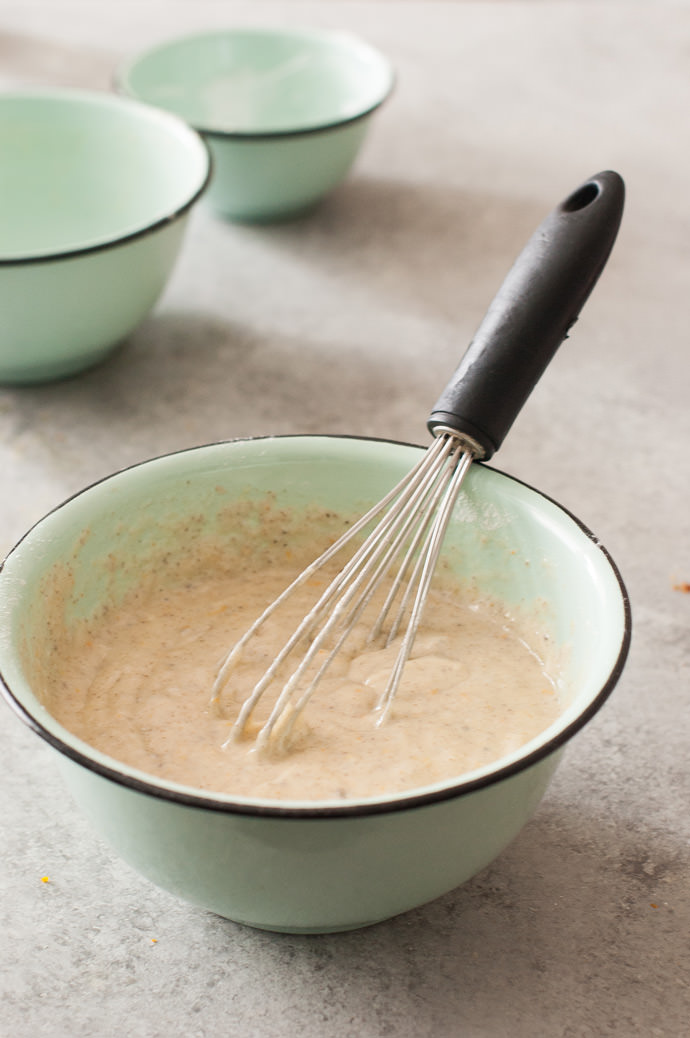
(95, 191)
(305, 866)
(284, 111)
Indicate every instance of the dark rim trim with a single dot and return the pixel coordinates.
(275, 135)
(307, 131)
(402, 803)
(113, 243)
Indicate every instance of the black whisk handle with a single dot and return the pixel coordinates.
(531, 314)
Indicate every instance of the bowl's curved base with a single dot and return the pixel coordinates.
(37, 374)
(272, 180)
(306, 931)
(309, 875)
(259, 217)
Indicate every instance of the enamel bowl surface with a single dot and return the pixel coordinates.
(284, 111)
(95, 191)
(313, 866)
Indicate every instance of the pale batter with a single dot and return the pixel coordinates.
(135, 682)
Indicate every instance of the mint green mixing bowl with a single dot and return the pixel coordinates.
(312, 866)
(284, 111)
(95, 192)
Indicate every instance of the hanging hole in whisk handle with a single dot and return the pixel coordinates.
(582, 197)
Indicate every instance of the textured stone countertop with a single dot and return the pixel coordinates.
(349, 320)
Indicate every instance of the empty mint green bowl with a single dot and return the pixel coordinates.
(284, 111)
(95, 191)
(305, 866)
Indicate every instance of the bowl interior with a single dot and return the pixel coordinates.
(505, 538)
(256, 81)
(83, 169)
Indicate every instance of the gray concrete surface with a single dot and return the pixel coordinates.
(350, 320)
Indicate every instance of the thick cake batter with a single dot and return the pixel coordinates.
(136, 680)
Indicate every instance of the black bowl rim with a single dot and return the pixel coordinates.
(304, 131)
(61, 255)
(216, 133)
(400, 802)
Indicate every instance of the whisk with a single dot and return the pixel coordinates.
(528, 319)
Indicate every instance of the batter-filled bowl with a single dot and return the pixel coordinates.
(306, 865)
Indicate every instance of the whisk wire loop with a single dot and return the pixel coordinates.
(414, 510)
(421, 579)
(452, 457)
(415, 516)
(229, 661)
(310, 620)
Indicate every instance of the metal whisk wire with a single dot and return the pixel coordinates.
(409, 536)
